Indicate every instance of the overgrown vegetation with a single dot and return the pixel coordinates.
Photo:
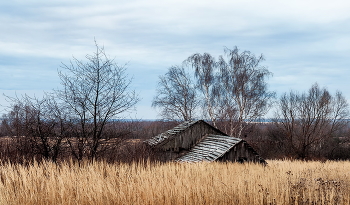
(123, 142)
(281, 182)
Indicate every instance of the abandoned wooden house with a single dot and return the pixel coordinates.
(195, 141)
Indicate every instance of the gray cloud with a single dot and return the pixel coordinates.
(303, 41)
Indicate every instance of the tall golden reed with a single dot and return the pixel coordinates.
(281, 182)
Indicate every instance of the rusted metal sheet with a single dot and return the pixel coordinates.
(210, 148)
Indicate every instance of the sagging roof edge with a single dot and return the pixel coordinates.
(171, 136)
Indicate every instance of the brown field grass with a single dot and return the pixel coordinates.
(281, 182)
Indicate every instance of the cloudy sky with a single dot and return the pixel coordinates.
(303, 41)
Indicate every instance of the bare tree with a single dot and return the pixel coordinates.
(36, 125)
(242, 93)
(309, 119)
(206, 68)
(176, 95)
(95, 92)
(234, 88)
(14, 122)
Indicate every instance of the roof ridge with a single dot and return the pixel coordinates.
(169, 133)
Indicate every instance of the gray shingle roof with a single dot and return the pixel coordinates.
(169, 134)
(210, 148)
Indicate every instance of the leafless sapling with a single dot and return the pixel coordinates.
(176, 95)
(95, 92)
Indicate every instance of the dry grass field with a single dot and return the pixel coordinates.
(281, 182)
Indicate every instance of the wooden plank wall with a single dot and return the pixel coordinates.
(185, 140)
(240, 153)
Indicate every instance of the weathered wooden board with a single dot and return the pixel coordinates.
(210, 148)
